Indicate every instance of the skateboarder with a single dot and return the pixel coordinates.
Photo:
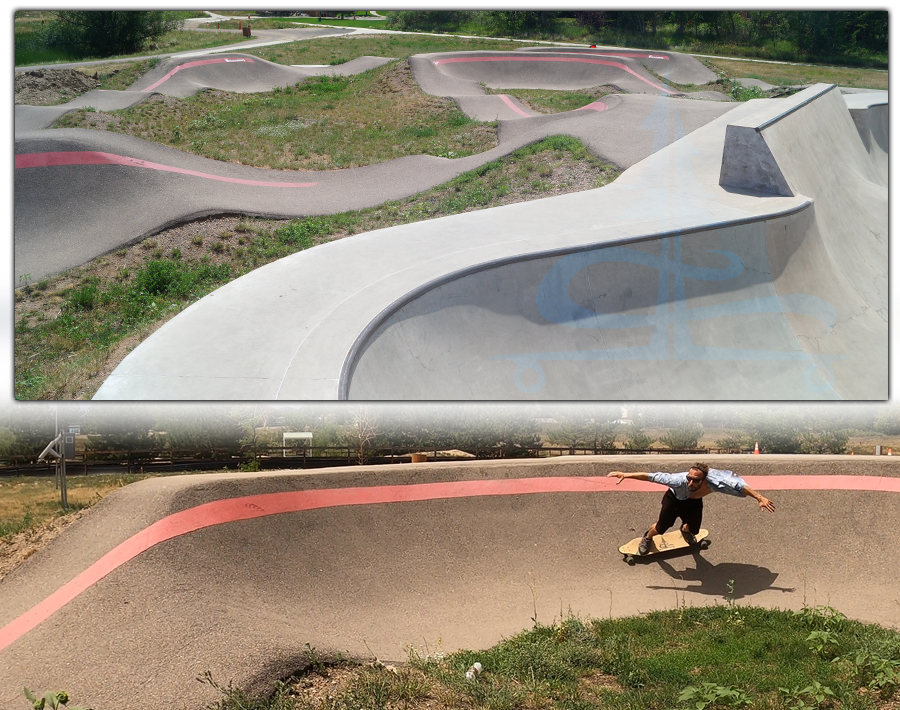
(684, 499)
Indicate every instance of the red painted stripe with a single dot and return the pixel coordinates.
(89, 157)
(188, 65)
(582, 60)
(249, 507)
(597, 106)
(509, 102)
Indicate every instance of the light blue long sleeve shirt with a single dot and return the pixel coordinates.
(719, 481)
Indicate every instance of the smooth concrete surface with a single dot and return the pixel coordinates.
(772, 308)
(239, 574)
(527, 301)
(673, 66)
(718, 321)
(69, 212)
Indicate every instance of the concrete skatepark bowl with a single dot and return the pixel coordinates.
(235, 573)
(741, 255)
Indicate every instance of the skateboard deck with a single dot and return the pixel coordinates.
(672, 540)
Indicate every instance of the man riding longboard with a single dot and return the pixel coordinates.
(684, 499)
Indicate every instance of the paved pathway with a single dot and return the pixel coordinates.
(238, 574)
(522, 302)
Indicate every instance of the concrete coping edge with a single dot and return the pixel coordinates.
(815, 94)
(396, 305)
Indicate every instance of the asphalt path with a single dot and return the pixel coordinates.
(58, 227)
(695, 167)
(238, 574)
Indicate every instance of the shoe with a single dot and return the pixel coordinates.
(644, 545)
(689, 537)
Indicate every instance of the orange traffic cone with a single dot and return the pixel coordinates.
(890, 452)
(756, 448)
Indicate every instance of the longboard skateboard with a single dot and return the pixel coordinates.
(672, 540)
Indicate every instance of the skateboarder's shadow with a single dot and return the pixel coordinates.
(731, 580)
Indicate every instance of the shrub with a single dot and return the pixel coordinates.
(103, 33)
(300, 233)
(85, 297)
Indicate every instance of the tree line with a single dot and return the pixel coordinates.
(244, 429)
(791, 34)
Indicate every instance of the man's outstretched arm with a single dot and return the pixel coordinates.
(639, 475)
(764, 503)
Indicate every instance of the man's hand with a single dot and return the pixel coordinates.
(618, 474)
(766, 504)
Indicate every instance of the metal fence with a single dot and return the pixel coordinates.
(277, 457)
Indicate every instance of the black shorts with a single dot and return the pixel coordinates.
(690, 511)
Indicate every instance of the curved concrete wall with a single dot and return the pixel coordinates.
(774, 308)
(666, 318)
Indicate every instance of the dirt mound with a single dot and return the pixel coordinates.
(45, 87)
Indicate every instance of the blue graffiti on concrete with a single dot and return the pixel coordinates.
(555, 304)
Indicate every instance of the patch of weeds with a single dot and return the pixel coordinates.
(302, 233)
(84, 297)
(742, 93)
(812, 696)
(707, 695)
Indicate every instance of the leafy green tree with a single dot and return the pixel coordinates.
(200, 431)
(828, 441)
(119, 431)
(777, 433)
(478, 429)
(733, 441)
(104, 33)
(636, 439)
(25, 433)
(684, 435)
(517, 23)
(586, 432)
(887, 421)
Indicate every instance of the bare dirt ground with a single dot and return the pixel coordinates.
(15, 549)
(47, 87)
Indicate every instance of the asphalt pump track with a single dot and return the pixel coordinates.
(741, 255)
(238, 574)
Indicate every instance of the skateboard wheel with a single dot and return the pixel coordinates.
(629, 559)
(704, 544)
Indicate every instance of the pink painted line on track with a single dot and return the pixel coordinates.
(596, 106)
(581, 60)
(509, 102)
(257, 506)
(188, 65)
(90, 157)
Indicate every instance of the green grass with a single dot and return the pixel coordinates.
(707, 657)
(320, 123)
(337, 50)
(30, 49)
(66, 327)
(28, 502)
(553, 101)
(791, 75)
